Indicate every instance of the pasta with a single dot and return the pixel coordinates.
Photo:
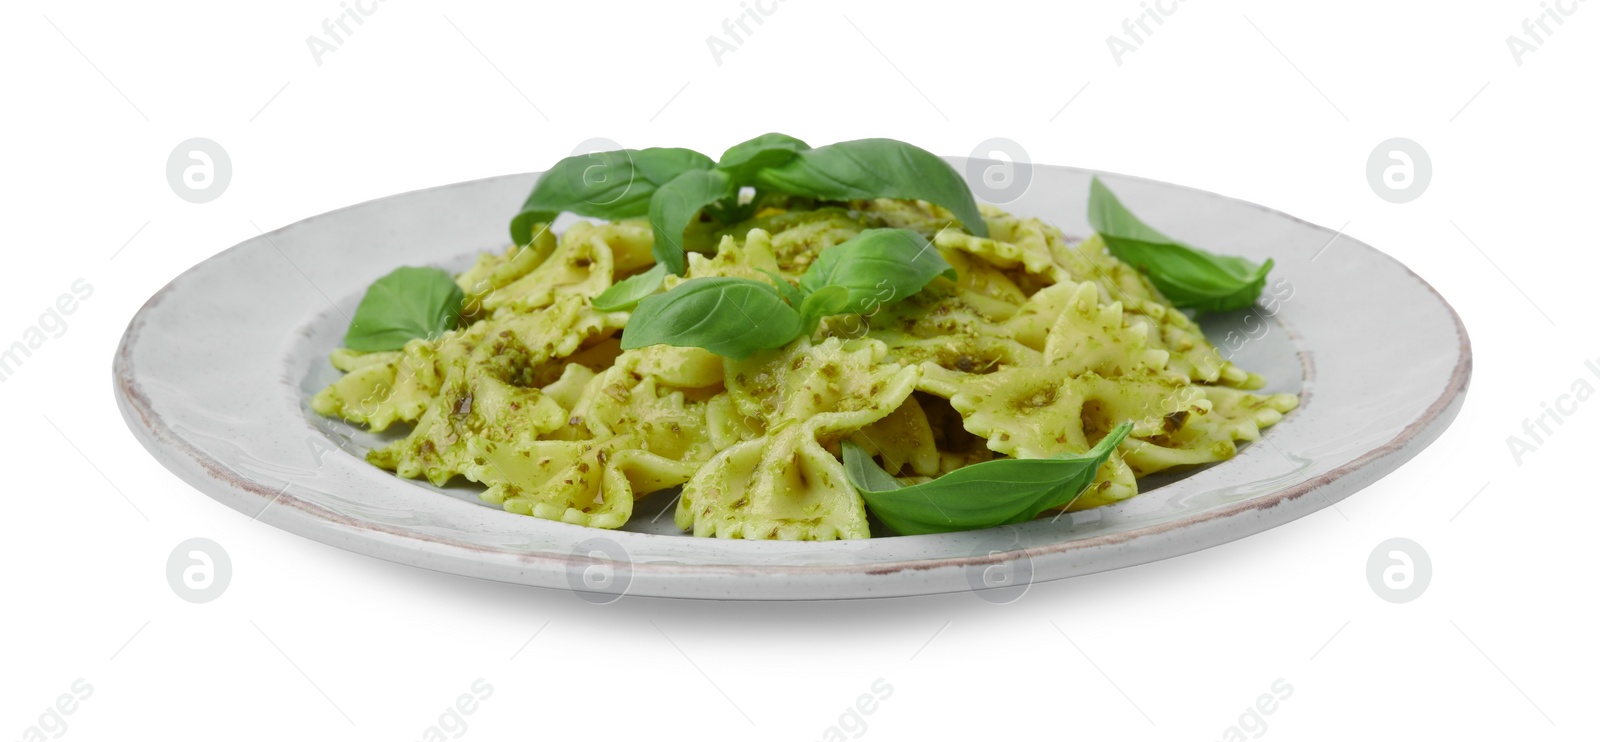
(1039, 347)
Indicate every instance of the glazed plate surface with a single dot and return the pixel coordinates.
(215, 373)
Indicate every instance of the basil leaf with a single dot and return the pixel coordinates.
(1189, 277)
(985, 495)
(732, 317)
(878, 266)
(824, 302)
(768, 150)
(630, 291)
(408, 303)
(874, 168)
(675, 205)
(605, 185)
(789, 292)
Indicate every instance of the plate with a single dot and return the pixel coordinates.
(215, 372)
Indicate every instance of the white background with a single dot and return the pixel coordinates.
(1262, 101)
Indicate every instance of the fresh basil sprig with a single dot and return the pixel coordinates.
(1189, 277)
(746, 158)
(672, 208)
(878, 266)
(874, 168)
(734, 317)
(606, 185)
(675, 205)
(985, 495)
(824, 302)
(790, 293)
(629, 291)
(672, 186)
(408, 303)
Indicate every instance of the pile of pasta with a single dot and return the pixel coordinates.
(1040, 347)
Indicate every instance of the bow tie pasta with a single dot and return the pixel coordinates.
(786, 483)
(1038, 348)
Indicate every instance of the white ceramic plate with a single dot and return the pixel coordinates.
(214, 374)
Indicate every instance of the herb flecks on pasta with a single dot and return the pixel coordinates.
(799, 351)
(787, 482)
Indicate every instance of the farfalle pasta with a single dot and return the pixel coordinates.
(1036, 346)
